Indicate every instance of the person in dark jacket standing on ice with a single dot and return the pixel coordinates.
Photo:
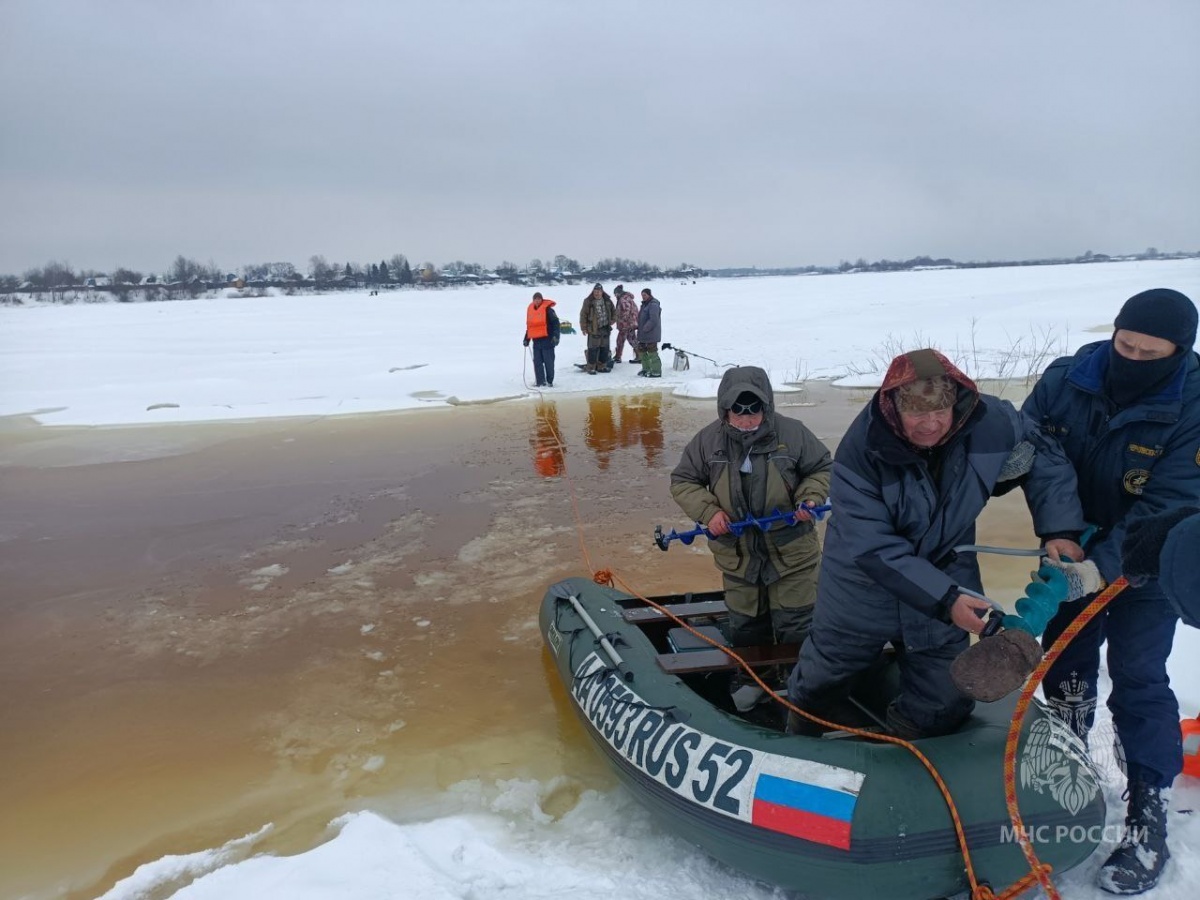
(753, 461)
(914, 471)
(596, 319)
(1127, 413)
(649, 333)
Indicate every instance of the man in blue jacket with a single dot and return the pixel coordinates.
(911, 476)
(649, 332)
(1127, 413)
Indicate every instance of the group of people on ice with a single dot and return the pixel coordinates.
(1107, 451)
(639, 327)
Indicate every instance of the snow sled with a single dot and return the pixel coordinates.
(840, 816)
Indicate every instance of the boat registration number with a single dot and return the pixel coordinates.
(809, 799)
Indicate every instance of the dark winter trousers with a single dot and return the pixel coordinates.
(598, 354)
(928, 703)
(543, 361)
(1139, 626)
(764, 614)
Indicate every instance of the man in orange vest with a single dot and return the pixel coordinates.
(541, 327)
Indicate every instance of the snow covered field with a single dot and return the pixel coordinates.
(241, 358)
(232, 358)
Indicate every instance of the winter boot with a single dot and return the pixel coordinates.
(994, 667)
(801, 727)
(1137, 862)
(745, 691)
(899, 726)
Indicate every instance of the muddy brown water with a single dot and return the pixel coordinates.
(206, 628)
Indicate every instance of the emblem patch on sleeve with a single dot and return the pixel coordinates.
(1135, 481)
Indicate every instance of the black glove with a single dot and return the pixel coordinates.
(525, 343)
(1144, 539)
(556, 340)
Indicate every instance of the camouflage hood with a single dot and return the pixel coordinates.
(914, 366)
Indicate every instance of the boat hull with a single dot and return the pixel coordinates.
(846, 818)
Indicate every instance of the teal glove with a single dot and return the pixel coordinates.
(1048, 589)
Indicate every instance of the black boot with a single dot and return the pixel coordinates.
(899, 726)
(796, 724)
(1137, 862)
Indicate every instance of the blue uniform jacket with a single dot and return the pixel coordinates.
(893, 530)
(1142, 460)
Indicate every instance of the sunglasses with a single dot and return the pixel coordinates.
(746, 409)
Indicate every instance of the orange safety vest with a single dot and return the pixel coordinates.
(535, 320)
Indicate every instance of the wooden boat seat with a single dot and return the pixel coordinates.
(643, 614)
(696, 661)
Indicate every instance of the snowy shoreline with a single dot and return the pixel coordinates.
(234, 359)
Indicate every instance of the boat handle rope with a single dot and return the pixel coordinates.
(669, 713)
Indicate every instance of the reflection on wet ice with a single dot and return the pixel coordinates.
(546, 441)
(613, 423)
(636, 423)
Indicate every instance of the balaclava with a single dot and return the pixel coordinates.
(1161, 313)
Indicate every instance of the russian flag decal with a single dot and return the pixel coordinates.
(807, 811)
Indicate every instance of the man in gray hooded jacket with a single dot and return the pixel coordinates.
(753, 461)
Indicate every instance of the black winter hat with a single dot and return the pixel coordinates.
(1161, 313)
(597, 286)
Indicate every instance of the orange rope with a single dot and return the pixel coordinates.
(978, 890)
(1039, 871)
(1014, 731)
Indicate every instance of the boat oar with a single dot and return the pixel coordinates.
(762, 523)
(605, 644)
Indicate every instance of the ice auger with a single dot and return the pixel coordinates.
(762, 523)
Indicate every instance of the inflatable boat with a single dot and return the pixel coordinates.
(836, 816)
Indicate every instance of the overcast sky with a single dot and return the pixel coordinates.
(717, 133)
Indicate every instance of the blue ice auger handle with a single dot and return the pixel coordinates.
(762, 523)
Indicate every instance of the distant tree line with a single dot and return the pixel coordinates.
(918, 263)
(186, 277)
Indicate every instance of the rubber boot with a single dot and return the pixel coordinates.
(899, 726)
(801, 727)
(1138, 861)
